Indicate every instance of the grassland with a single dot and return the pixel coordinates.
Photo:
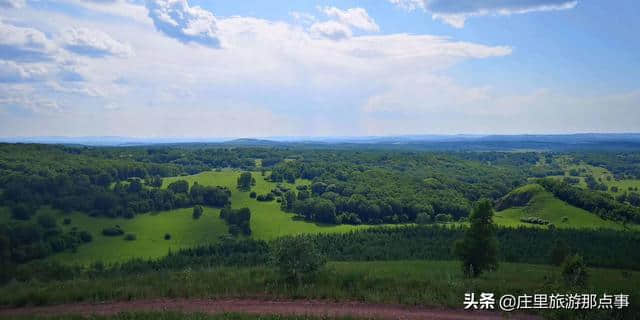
(425, 283)
(545, 206)
(267, 222)
(602, 175)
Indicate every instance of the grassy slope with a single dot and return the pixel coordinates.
(544, 205)
(267, 222)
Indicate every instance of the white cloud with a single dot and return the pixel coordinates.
(331, 29)
(25, 44)
(343, 23)
(11, 71)
(355, 17)
(409, 5)
(455, 13)
(94, 43)
(185, 23)
(12, 3)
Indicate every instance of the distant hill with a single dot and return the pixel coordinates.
(567, 142)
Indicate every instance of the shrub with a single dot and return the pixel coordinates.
(85, 236)
(252, 195)
(47, 221)
(167, 236)
(534, 220)
(297, 259)
(197, 212)
(130, 237)
(574, 271)
(112, 232)
(423, 218)
(66, 221)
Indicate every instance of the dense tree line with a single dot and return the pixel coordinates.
(599, 248)
(599, 203)
(22, 242)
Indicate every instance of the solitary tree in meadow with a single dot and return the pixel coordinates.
(479, 248)
(245, 181)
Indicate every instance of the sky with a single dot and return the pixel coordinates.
(249, 68)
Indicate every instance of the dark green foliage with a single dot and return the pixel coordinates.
(601, 204)
(424, 218)
(239, 220)
(180, 186)
(112, 232)
(130, 237)
(252, 195)
(479, 248)
(316, 209)
(210, 196)
(47, 221)
(297, 259)
(66, 221)
(197, 212)
(559, 252)
(266, 197)
(155, 181)
(167, 236)
(22, 212)
(534, 220)
(245, 181)
(85, 236)
(574, 271)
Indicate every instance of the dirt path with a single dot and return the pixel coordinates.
(300, 307)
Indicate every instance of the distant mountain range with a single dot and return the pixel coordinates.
(427, 142)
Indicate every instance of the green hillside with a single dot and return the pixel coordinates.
(533, 201)
(267, 222)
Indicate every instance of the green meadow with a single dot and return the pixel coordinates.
(268, 221)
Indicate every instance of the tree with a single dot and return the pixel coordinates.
(197, 212)
(47, 221)
(478, 250)
(245, 181)
(574, 271)
(180, 186)
(423, 218)
(559, 252)
(297, 259)
(155, 181)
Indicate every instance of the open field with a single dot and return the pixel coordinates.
(545, 206)
(423, 283)
(267, 222)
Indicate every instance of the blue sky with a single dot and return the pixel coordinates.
(178, 68)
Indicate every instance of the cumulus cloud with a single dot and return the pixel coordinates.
(355, 17)
(455, 13)
(343, 22)
(185, 23)
(12, 3)
(94, 43)
(11, 71)
(331, 29)
(24, 44)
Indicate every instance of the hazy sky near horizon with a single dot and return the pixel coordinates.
(249, 68)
